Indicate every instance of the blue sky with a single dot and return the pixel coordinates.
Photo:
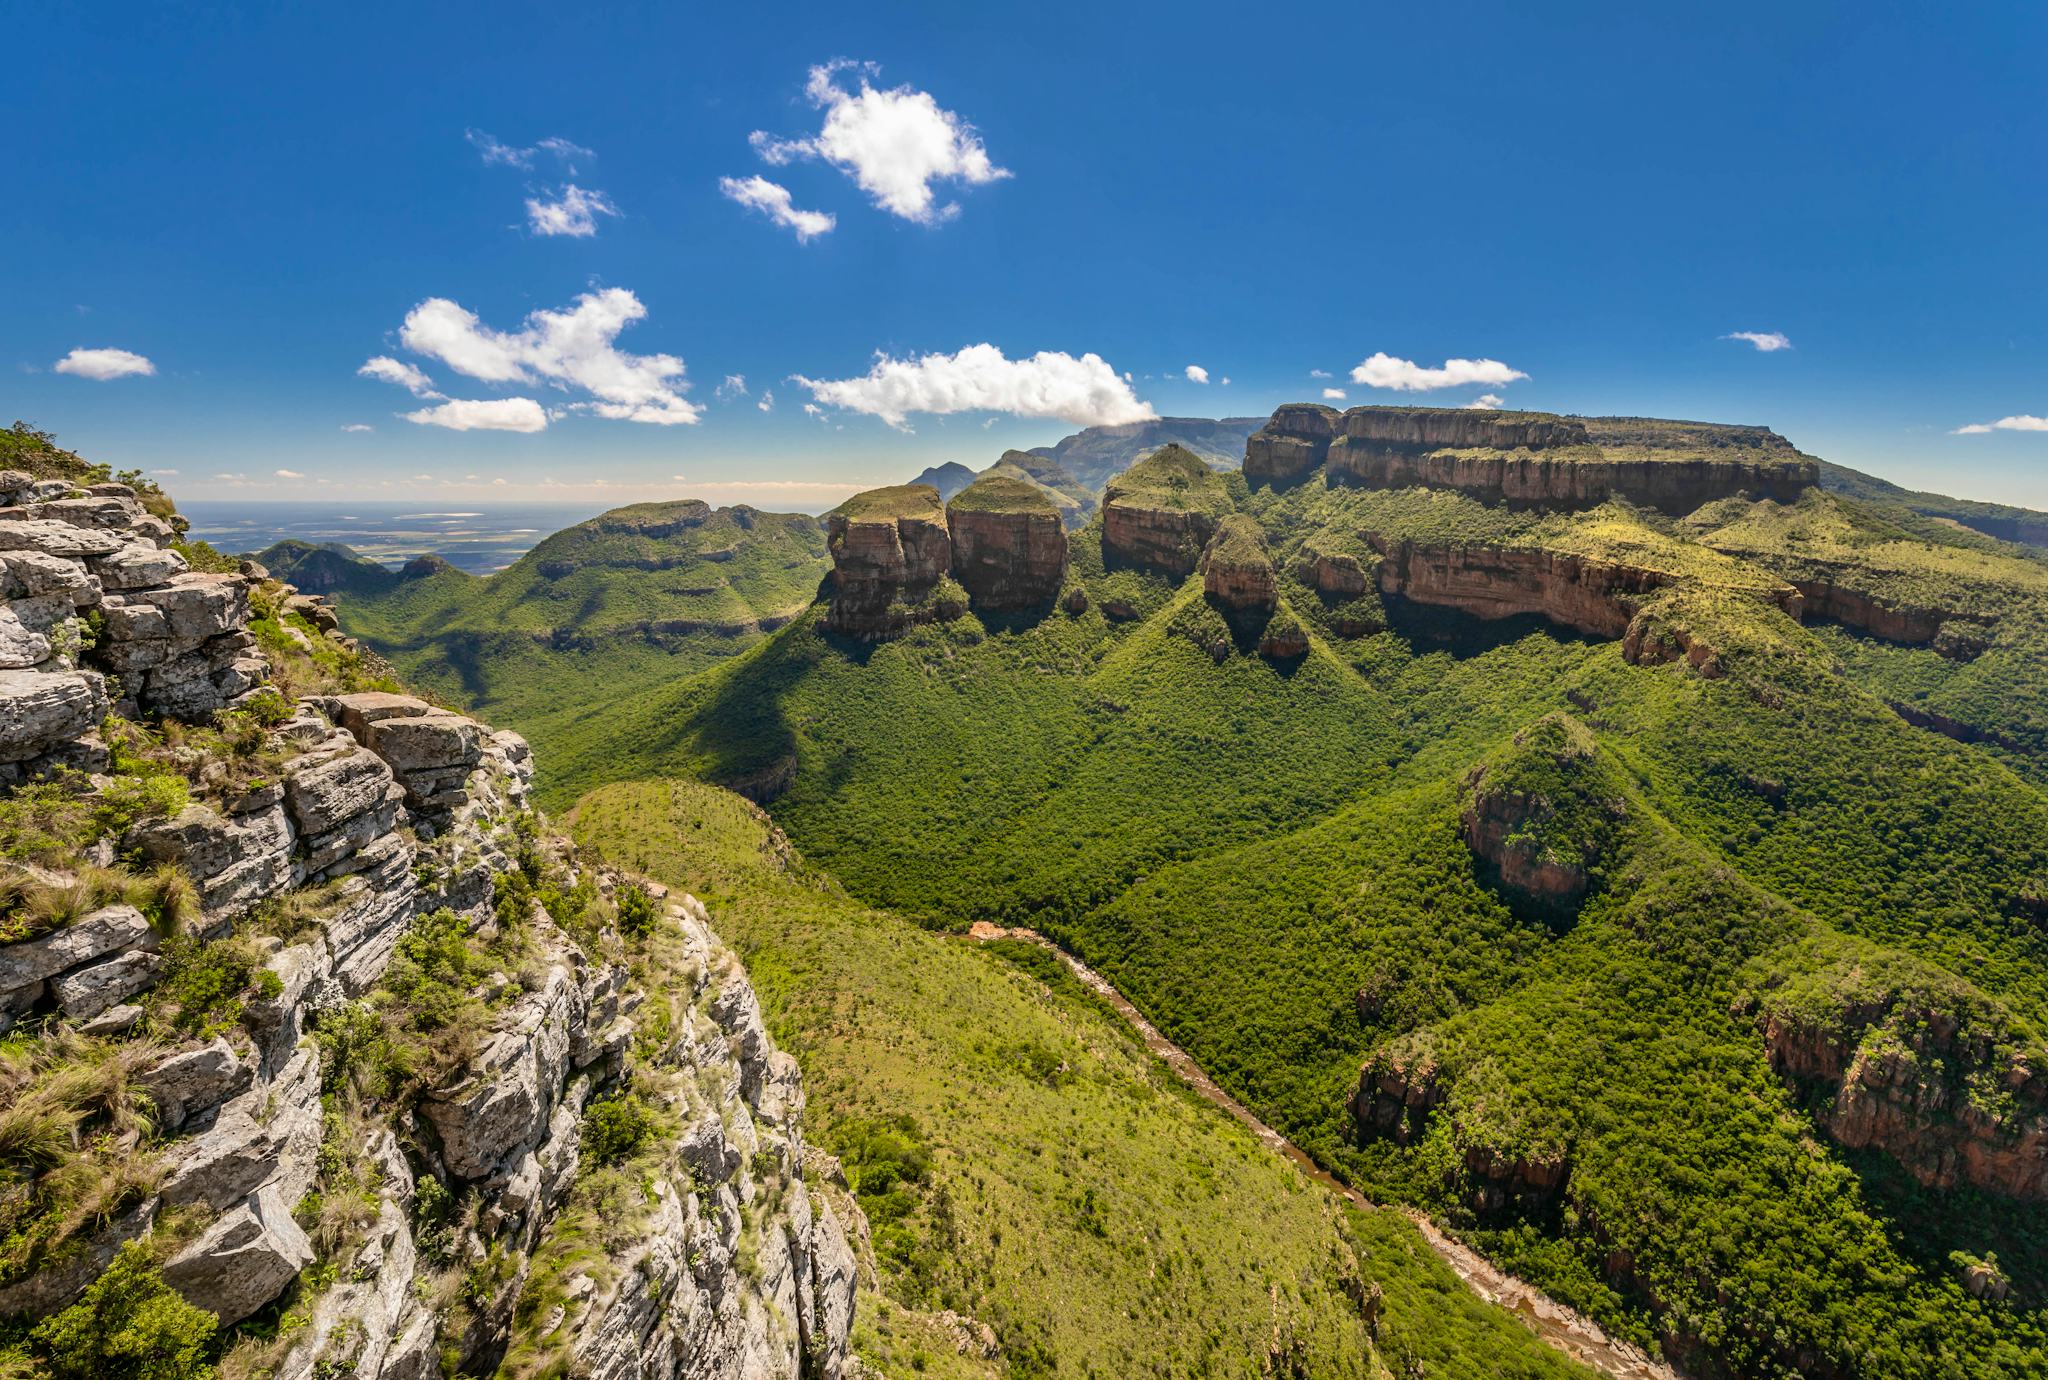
(256, 200)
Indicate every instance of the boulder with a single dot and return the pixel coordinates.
(109, 930)
(244, 1260)
(191, 1082)
(416, 743)
(84, 993)
(40, 711)
(198, 605)
(329, 791)
(58, 538)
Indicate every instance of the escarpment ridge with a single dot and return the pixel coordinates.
(335, 1027)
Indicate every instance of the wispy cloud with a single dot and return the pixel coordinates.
(894, 143)
(288, 474)
(357, 426)
(1084, 391)
(410, 377)
(773, 200)
(573, 212)
(1765, 341)
(1405, 375)
(2022, 422)
(102, 365)
(496, 152)
(735, 386)
(767, 403)
(1321, 374)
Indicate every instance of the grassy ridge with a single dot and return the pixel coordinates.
(1075, 1197)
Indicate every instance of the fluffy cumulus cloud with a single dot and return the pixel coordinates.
(572, 350)
(767, 403)
(1406, 376)
(104, 364)
(484, 414)
(2022, 422)
(1197, 374)
(410, 377)
(894, 143)
(573, 212)
(1084, 391)
(1765, 341)
(1333, 394)
(772, 200)
(1485, 402)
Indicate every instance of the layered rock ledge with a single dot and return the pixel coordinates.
(1161, 512)
(889, 548)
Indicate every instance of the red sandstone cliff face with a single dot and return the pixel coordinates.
(1009, 561)
(1161, 538)
(1236, 570)
(1941, 1099)
(1292, 444)
(882, 562)
(1500, 582)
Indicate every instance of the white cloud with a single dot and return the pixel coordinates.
(167, 474)
(735, 386)
(231, 478)
(1765, 341)
(1085, 391)
(1321, 374)
(410, 377)
(483, 414)
(570, 349)
(1485, 402)
(104, 364)
(358, 426)
(772, 200)
(574, 213)
(1333, 394)
(767, 403)
(2022, 422)
(1405, 375)
(289, 474)
(496, 152)
(1224, 381)
(1197, 374)
(894, 143)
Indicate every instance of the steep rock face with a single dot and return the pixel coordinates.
(1290, 446)
(1237, 572)
(1954, 637)
(1009, 544)
(1501, 582)
(1925, 1080)
(1162, 511)
(1528, 458)
(375, 814)
(889, 548)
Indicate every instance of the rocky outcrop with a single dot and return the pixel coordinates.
(1237, 572)
(1397, 1090)
(1921, 1076)
(889, 548)
(371, 815)
(1009, 544)
(1524, 458)
(1161, 513)
(1292, 445)
(1542, 814)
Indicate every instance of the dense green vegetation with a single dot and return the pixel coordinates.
(1270, 860)
(636, 598)
(1023, 1159)
(1999, 520)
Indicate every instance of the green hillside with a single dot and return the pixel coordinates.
(1276, 859)
(1023, 1160)
(2002, 521)
(636, 598)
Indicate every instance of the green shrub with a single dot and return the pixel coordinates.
(638, 910)
(203, 986)
(129, 1326)
(615, 1129)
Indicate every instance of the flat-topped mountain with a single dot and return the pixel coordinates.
(1529, 458)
